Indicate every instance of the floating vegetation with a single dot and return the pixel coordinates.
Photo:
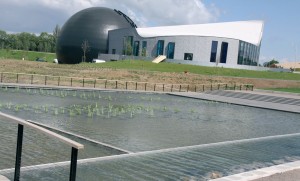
(95, 104)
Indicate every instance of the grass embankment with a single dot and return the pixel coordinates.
(145, 71)
(291, 90)
(179, 68)
(27, 55)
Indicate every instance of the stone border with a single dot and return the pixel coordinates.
(283, 172)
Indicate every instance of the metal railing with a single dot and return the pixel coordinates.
(21, 123)
(37, 79)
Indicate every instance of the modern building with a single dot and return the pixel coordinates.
(88, 29)
(230, 43)
(111, 35)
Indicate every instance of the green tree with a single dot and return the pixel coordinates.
(56, 33)
(3, 39)
(85, 48)
(25, 40)
(271, 63)
(45, 42)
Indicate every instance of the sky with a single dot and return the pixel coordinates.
(281, 37)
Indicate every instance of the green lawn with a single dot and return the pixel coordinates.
(27, 55)
(161, 67)
(292, 90)
(169, 67)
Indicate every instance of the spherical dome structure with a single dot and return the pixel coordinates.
(90, 26)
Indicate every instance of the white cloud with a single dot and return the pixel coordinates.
(43, 15)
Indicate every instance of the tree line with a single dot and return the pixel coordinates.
(44, 42)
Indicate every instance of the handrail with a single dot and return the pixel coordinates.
(21, 123)
(43, 130)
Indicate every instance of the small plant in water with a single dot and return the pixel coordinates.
(55, 111)
(17, 108)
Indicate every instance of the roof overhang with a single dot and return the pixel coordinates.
(248, 31)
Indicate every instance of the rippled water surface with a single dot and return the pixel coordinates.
(144, 121)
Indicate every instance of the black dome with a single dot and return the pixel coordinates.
(90, 24)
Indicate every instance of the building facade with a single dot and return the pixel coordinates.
(233, 43)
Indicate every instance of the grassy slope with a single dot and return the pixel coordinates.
(161, 67)
(27, 55)
(168, 67)
(292, 90)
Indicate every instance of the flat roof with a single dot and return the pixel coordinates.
(248, 31)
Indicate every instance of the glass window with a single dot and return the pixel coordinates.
(224, 49)
(127, 45)
(188, 56)
(245, 54)
(136, 48)
(113, 51)
(144, 48)
(160, 47)
(248, 54)
(241, 53)
(171, 50)
(213, 53)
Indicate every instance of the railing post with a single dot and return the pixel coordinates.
(31, 78)
(105, 83)
(95, 83)
(211, 87)
(163, 87)
(126, 85)
(154, 87)
(226, 87)
(45, 79)
(17, 78)
(1, 76)
(83, 82)
(73, 165)
(252, 87)
(240, 87)
(203, 87)
(234, 86)
(71, 82)
(180, 88)
(195, 88)
(19, 152)
(188, 88)
(116, 84)
(58, 82)
(218, 86)
(145, 86)
(172, 88)
(135, 85)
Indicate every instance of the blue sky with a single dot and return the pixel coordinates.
(281, 32)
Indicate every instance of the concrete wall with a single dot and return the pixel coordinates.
(199, 46)
(283, 172)
(110, 57)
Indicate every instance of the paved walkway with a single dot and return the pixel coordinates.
(280, 102)
(2, 178)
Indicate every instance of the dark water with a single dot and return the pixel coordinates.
(193, 163)
(142, 122)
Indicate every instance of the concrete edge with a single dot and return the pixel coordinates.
(237, 101)
(274, 173)
(123, 151)
(276, 92)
